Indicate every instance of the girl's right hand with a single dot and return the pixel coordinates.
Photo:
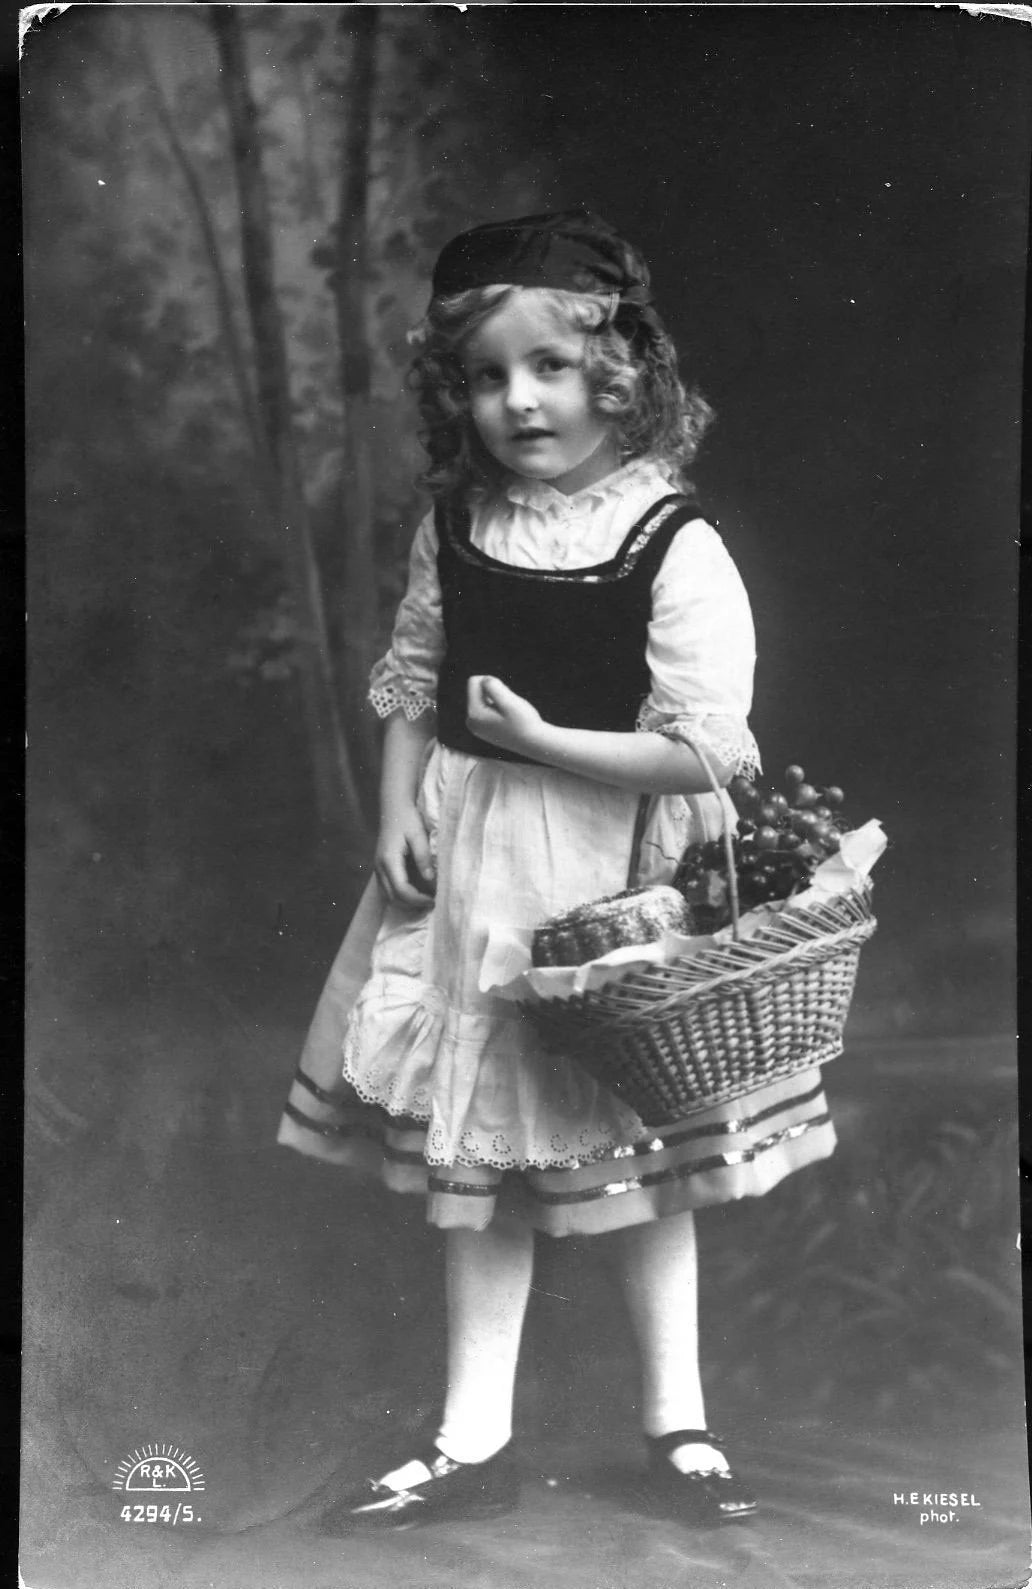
(403, 862)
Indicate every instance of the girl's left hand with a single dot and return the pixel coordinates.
(499, 715)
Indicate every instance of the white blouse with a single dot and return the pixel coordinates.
(701, 647)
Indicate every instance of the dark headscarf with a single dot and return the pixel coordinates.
(571, 249)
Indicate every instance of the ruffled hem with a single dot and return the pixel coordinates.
(463, 1074)
(718, 1155)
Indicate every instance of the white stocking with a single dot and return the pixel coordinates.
(660, 1278)
(488, 1278)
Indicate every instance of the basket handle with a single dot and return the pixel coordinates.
(645, 805)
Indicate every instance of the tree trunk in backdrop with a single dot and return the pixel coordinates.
(233, 344)
(350, 280)
(336, 788)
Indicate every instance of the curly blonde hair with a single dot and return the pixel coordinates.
(631, 374)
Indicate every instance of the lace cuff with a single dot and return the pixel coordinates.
(393, 695)
(728, 740)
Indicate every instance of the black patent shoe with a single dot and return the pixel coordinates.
(460, 1491)
(702, 1499)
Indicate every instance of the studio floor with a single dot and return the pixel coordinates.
(829, 1521)
(189, 1285)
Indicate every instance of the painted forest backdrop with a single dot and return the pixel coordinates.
(230, 217)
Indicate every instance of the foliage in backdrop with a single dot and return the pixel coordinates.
(230, 212)
(230, 218)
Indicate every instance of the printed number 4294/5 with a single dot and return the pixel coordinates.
(157, 1514)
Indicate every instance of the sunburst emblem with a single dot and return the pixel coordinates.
(158, 1469)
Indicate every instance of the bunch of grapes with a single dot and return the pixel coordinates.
(782, 838)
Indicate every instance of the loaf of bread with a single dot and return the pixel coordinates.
(638, 915)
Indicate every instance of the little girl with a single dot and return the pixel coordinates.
(572, 627)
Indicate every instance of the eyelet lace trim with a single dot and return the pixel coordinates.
(728, 740)
(495, 1150)
(393, 697)
(381, 1087)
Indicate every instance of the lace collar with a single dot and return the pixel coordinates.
(544, 498)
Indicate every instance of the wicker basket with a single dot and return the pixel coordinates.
(673, 1039)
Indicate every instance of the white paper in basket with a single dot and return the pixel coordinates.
(507, 972)
(849, 869)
